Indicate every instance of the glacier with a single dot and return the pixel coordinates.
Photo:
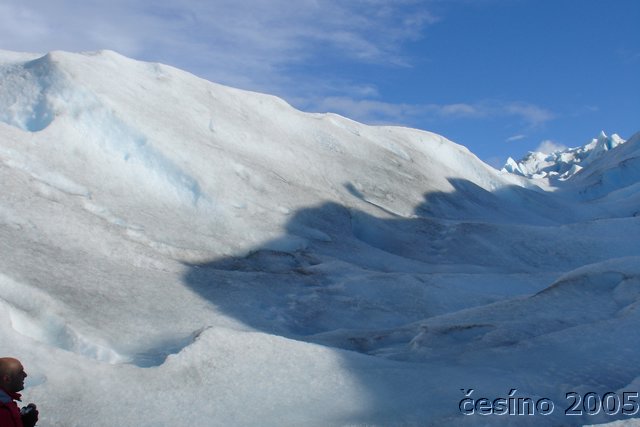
(177, 252)
(562, 164)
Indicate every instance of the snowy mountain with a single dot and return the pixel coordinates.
(562, 164)
(176, 252)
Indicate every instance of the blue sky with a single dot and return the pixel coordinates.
(501, 77)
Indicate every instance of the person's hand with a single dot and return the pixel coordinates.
(29, 415)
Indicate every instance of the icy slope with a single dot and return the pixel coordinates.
(215, 257)
(613, 176)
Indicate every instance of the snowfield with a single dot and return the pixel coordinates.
(177, 253)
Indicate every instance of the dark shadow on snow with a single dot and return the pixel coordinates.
(324, 286)
(361, 278)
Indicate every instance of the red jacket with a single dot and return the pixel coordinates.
(9, 411)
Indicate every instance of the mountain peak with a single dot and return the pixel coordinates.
(561, 165)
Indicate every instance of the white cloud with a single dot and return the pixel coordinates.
(515, 138)
(256, 44)
(374, 111)
(455, 110)
(529, 114)
(367, 110)
(532, 114)
(548, 146)
(244, 43)
(21, 27)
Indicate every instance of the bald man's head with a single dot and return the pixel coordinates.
(12, 374)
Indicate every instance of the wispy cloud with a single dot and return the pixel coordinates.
(21, 26)
(368, 110)
(549, 146)
(238, 42)
(628, 56)
(515, 138)
(378, 112)
(257, 44)
(532, 114)
(528, 114)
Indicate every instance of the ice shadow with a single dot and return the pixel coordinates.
(354, 261)
(365, 277)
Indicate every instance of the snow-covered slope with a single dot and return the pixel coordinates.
(613, 176)
(213, 256)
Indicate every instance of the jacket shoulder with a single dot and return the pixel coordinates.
(10, 415)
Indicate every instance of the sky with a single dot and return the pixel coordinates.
(502, 77)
